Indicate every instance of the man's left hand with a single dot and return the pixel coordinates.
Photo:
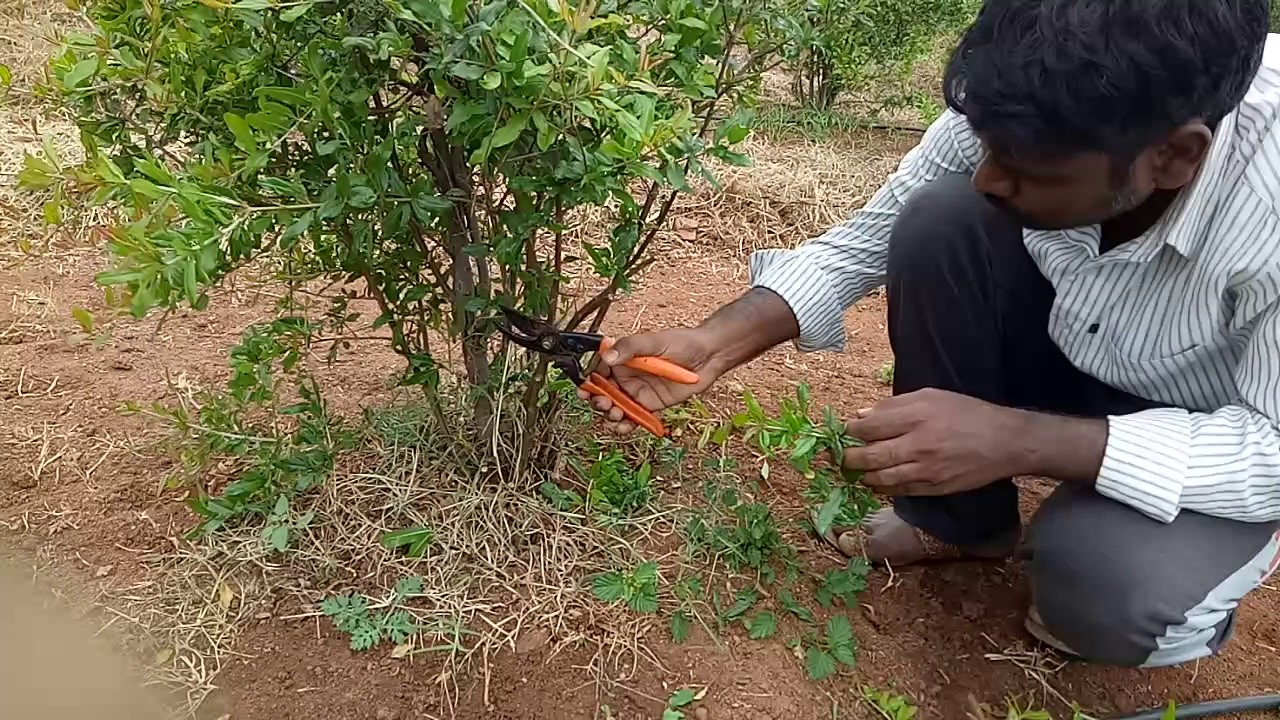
(935, 442)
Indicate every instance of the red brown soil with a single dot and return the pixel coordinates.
(86, 503)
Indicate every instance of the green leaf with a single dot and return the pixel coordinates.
(646, 572)
(644, 600)
(297, 228)
(491, 80)
(280, 538)
(830, 510)
(840, 639)
(762, 626)
(365, 636)
(146, 188)
(80, 72)
(681, 698)
(243, 133)
(669, 714)
(83, 318)
(508, 133)
(296, 12)
(819, 664)
(746, 599)
(6, 75)
(610, 586)
(414, 540)
(694, 23)
(680, 626)
(676, 176)
(361, 197)
(467, 70)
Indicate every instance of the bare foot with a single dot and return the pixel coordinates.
(887, 538)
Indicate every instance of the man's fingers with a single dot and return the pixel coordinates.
(881, 423)
(625, 348)
(878, 455)
(905, 479)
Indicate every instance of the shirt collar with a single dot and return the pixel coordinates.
(1185, 225)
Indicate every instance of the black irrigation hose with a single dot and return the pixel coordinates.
(1214, 708)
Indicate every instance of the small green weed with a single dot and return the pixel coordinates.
(782, 121)
(280, 525)
(844, 584)
(412, 541)
(842, 500)
(681, 699)
(616, 487)
(352, 614)
(890, 705)
(748, 538)
(823, 656)
(688, 592)
(560, 498)
(885, 374)
(638, 587)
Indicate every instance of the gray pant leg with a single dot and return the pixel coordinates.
(1120, 588)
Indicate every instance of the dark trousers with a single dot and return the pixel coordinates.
(969, 312)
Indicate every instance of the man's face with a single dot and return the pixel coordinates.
(1059, 194)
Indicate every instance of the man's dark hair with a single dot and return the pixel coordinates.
(1052, 78)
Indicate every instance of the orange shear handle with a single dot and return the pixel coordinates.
(656, 366)
(598, 384)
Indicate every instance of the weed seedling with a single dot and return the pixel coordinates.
(413, 541)
(885, 375)
(843, 501)
(280, 526)
(681, 699)
(844, 584)
(638, 587)
(890, 706)
(687, 591)
(836, 647)
(351, 614)
(617, 488)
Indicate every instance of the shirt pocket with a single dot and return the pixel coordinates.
(1189, 377)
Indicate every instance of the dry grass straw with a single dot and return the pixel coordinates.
(504, 572)
(184, 617)
(793, 191)
(1037, 665)
(30, 31)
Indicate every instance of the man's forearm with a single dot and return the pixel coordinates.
(749, 326)
(1063, 448)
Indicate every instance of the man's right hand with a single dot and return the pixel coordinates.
(691, 348)
(733, 335)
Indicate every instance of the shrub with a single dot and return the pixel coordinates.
(427, 155)
(839, 45)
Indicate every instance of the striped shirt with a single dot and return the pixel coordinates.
(1187, 315)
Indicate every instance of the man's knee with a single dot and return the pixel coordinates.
(942, 219)
(1119, 588)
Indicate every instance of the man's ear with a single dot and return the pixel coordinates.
(1175, 162)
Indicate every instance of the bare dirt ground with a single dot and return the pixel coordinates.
(84, 507)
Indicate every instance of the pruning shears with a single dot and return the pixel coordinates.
(565, 350)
